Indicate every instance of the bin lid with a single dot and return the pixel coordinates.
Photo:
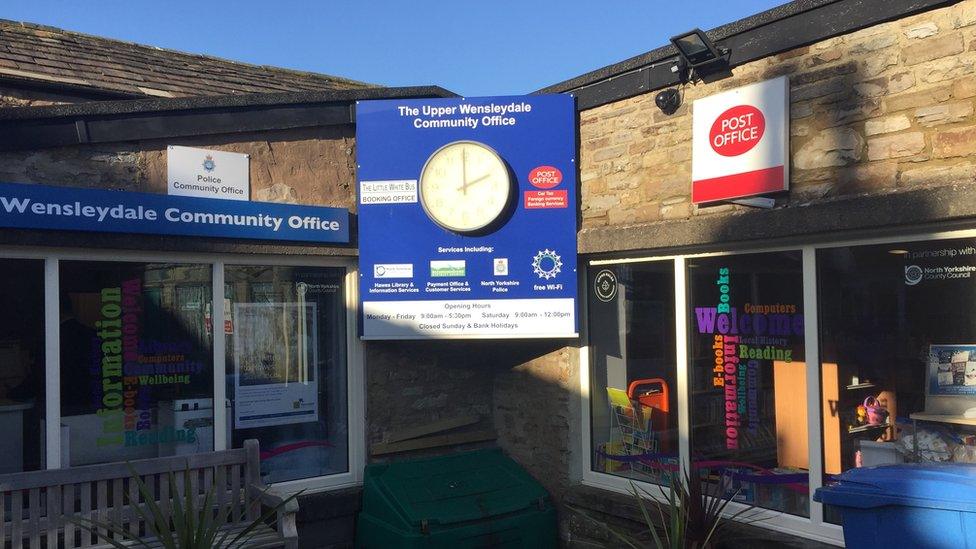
(456, 488)
(932, 485)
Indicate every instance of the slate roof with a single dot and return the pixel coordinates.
(58, 58)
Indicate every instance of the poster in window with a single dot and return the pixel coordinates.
(275, 352)
(952, 370)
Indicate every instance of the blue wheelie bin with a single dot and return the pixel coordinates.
(917, 505)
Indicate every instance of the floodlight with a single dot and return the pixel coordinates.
(700, 55)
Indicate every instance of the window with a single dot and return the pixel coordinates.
(285, 330)
(748, 405)
(898, 343)
(21, 365)
(136, 360)
(633, 396)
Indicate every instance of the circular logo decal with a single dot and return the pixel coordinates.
(913, 275)
(737, 130)
(605, 285)
(547, 264)
(545, 177)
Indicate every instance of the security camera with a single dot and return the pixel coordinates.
(668, 101)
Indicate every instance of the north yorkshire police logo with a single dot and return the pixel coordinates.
(209, 164)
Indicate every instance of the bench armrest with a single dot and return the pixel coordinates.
(269, 497)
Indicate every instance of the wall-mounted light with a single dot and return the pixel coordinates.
(700, 57)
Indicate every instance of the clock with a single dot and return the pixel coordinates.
(465, 187)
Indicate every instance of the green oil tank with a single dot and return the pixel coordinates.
(477, 499)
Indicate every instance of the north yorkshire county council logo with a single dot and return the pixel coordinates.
(913, 275)
(547, 264)
(209, 164)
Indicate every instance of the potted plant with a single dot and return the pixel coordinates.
(684, 517)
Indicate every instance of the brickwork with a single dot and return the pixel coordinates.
(889, 107)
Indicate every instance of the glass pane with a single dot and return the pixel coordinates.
(748, 379)
(21, 365)
(632, 370)
(286, 367)
(898, 342)
(136, 360)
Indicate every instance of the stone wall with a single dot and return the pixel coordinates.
(887, 108)
(537, 411)
(415, 383)
(527, 391)
(16, 96)
(303, 166)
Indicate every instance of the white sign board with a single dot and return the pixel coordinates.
(207, 174)
(741, 141)
(481, 318)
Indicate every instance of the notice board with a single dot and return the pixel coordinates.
(467, 217)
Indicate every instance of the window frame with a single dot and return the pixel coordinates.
(813, 527)
(355, 381)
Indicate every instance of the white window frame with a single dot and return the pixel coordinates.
(813, 527)
(355, 381)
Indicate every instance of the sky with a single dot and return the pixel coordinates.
(491, 47)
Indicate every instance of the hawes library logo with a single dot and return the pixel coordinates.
(209, 164)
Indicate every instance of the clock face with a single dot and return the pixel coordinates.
(465, 186)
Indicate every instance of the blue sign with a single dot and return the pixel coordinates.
(467, 217)
(76, 209)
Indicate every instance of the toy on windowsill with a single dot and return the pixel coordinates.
(875, 412)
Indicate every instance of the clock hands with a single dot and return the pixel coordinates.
(473, 181)
(464, 174)
(464, 170)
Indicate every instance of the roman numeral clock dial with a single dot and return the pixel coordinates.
(465, 187)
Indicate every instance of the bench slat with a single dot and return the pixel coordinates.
(132, 515)
(220, 488)
(116, 514)
(16, 519)
(34, 510)
(235, 486)
(101, 492)
(208, 486)
(3, 518)
(86, 505)
(164, 499)
(53, 516)
(195, 488)
(252, 470)
(68, 508)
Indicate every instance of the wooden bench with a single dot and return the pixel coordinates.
(35, 507)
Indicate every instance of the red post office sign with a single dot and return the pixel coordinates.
(741, 142)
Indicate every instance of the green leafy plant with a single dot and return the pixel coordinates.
(190, 525)
(684, 517)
